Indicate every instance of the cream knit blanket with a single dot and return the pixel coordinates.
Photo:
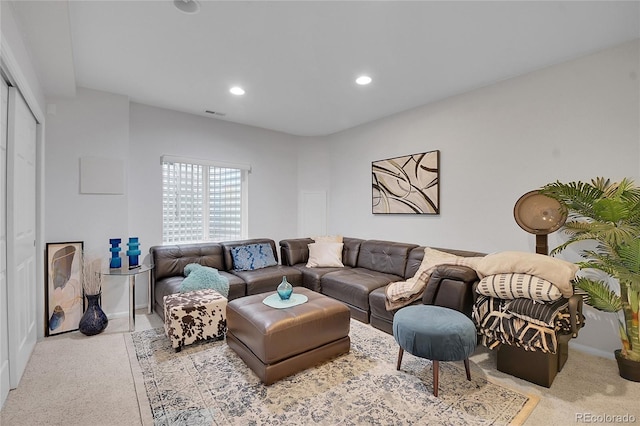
(402, 293)
(557, 271)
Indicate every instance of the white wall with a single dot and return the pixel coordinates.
(93, 124)
(574, 121)
(18, 60)
(272, 156)
(105, 125)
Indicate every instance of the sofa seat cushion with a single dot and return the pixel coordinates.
(353, 285)
(377, 304)
(165, 287)
(311, 277)
(267, 279)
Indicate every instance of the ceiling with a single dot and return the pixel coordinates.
(297, 60)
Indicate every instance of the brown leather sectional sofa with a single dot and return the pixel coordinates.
(369, 265)
(169, 262)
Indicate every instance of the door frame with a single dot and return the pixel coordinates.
(22, 287)
(17, 76)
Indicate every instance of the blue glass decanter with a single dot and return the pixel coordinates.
(285, 289)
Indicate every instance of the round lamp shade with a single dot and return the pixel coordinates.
(538, 214)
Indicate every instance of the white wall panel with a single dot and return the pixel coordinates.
(96, 125)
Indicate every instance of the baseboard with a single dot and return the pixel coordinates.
(4, 382)
(125, 314)
(592, 351)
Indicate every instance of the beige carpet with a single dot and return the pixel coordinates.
(208, 384)
(72, 379)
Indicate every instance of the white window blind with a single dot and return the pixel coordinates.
(202, 201)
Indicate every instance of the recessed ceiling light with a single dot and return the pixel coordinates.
(237, 90)
(363, 80)
(187, 6)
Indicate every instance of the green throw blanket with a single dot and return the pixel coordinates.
(198, 277)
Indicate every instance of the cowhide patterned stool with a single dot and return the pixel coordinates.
(194, 316)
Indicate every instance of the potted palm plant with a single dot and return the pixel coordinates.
(607, 214)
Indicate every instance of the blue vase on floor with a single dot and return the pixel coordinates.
(93, 321)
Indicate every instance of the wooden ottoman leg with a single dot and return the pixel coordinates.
(467, 369)
(400, 353)
(436, 370)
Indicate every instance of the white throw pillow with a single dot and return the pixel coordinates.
(325, 255)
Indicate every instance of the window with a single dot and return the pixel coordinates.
(203, 201)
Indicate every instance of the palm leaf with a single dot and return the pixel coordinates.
(611, 210)
(630, 256)
(577, 196)
(599, 295)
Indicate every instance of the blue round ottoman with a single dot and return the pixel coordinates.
(435, 333)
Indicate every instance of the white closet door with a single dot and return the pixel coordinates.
(4, 330)
(21, 234)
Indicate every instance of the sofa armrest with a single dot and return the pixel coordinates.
(294, 251)
(575, 310)
(451, 286)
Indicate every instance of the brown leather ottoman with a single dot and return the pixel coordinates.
(276, 343)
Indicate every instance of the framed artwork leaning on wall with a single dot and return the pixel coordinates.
(64, 296)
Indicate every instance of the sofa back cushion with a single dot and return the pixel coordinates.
(169, 261)
(417, 255)
(296, 250)
(228, 246)
(351, 251)
(384, 256)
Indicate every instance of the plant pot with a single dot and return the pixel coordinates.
(628, 369)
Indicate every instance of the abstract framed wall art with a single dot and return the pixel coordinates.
(407, 185)
(63, 296)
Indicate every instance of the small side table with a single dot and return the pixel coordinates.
(131, 273)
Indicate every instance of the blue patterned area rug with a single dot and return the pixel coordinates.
(208, 384)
